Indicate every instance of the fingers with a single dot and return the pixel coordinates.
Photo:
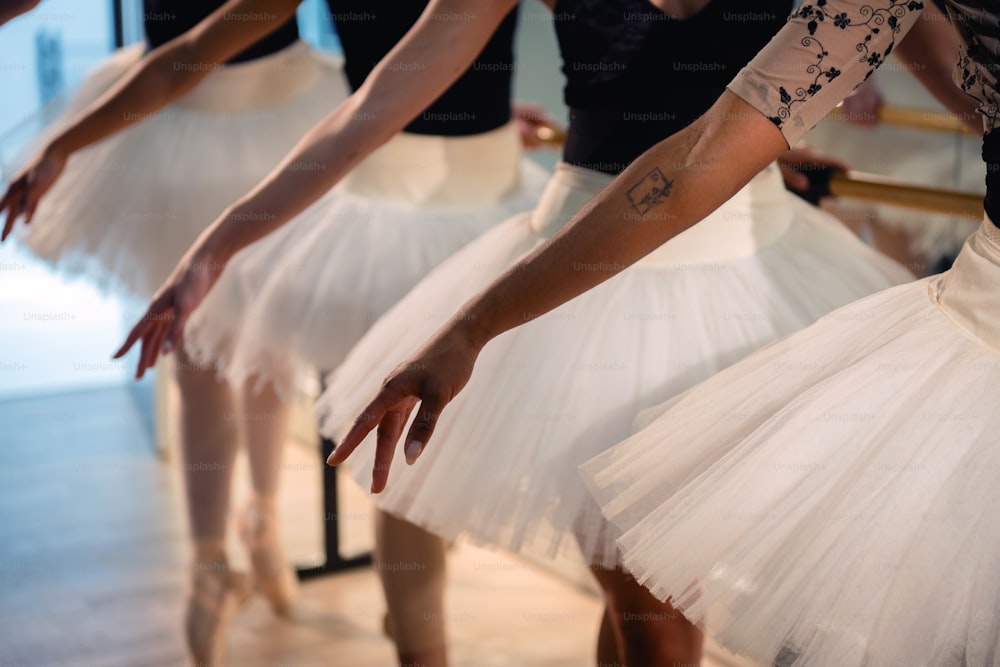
(422, 429)
(529, 137)
(389, 412)
(151, 346)
(363, 425)
(151, 330)
(389, 430)
(12, 204)
(8, 225)
(144, 330)
(8, 220)
(137, 332)
(31, 198)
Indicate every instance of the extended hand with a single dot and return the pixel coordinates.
(27, 188)
(432, 377)
(162, 325)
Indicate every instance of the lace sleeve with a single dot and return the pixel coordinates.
(826, 50)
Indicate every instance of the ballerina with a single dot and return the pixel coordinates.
(122, 183)
(767, 107)
(847, 473)
(306, 293)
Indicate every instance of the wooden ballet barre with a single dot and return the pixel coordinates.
(923, 119)
(883, 190)
(551, 135)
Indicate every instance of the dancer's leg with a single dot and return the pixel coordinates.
(411, 564)
(609, 651)
(651, 632)
(209, 441)
(265, 418)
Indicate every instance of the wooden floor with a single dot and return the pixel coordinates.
(92, 562)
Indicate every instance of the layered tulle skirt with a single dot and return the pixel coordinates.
(501, 467)
(831, 500)
(307, 293)
(127, 208)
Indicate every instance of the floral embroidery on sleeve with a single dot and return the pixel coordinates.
(871, 19)
(971, 77)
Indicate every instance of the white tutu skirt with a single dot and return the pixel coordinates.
(933, 158)
(308, 292)
(832, 500)
(127, 208)
(501, 467)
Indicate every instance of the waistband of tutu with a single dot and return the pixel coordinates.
(442, 172)
(568, 189)
(261, 82)
(969, 292)
(754, 218)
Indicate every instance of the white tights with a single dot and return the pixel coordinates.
(213, 421)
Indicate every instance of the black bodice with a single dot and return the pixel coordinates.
(478, 102)
(634, 76)
(991, 154)
(166, 19)
(368, 29)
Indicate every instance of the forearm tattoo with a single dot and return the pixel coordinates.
(650, 191)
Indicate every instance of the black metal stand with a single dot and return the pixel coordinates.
(331, 532)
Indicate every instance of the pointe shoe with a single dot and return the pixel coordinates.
(273, 577)
(217, 595)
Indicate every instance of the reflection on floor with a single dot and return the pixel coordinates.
(92, 563)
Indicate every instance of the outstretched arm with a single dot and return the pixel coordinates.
(665, 191)
(812, 64)
(392, 95)
(162, 76)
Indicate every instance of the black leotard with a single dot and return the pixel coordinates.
(634, 76)
(166, 19)
(478, 102)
